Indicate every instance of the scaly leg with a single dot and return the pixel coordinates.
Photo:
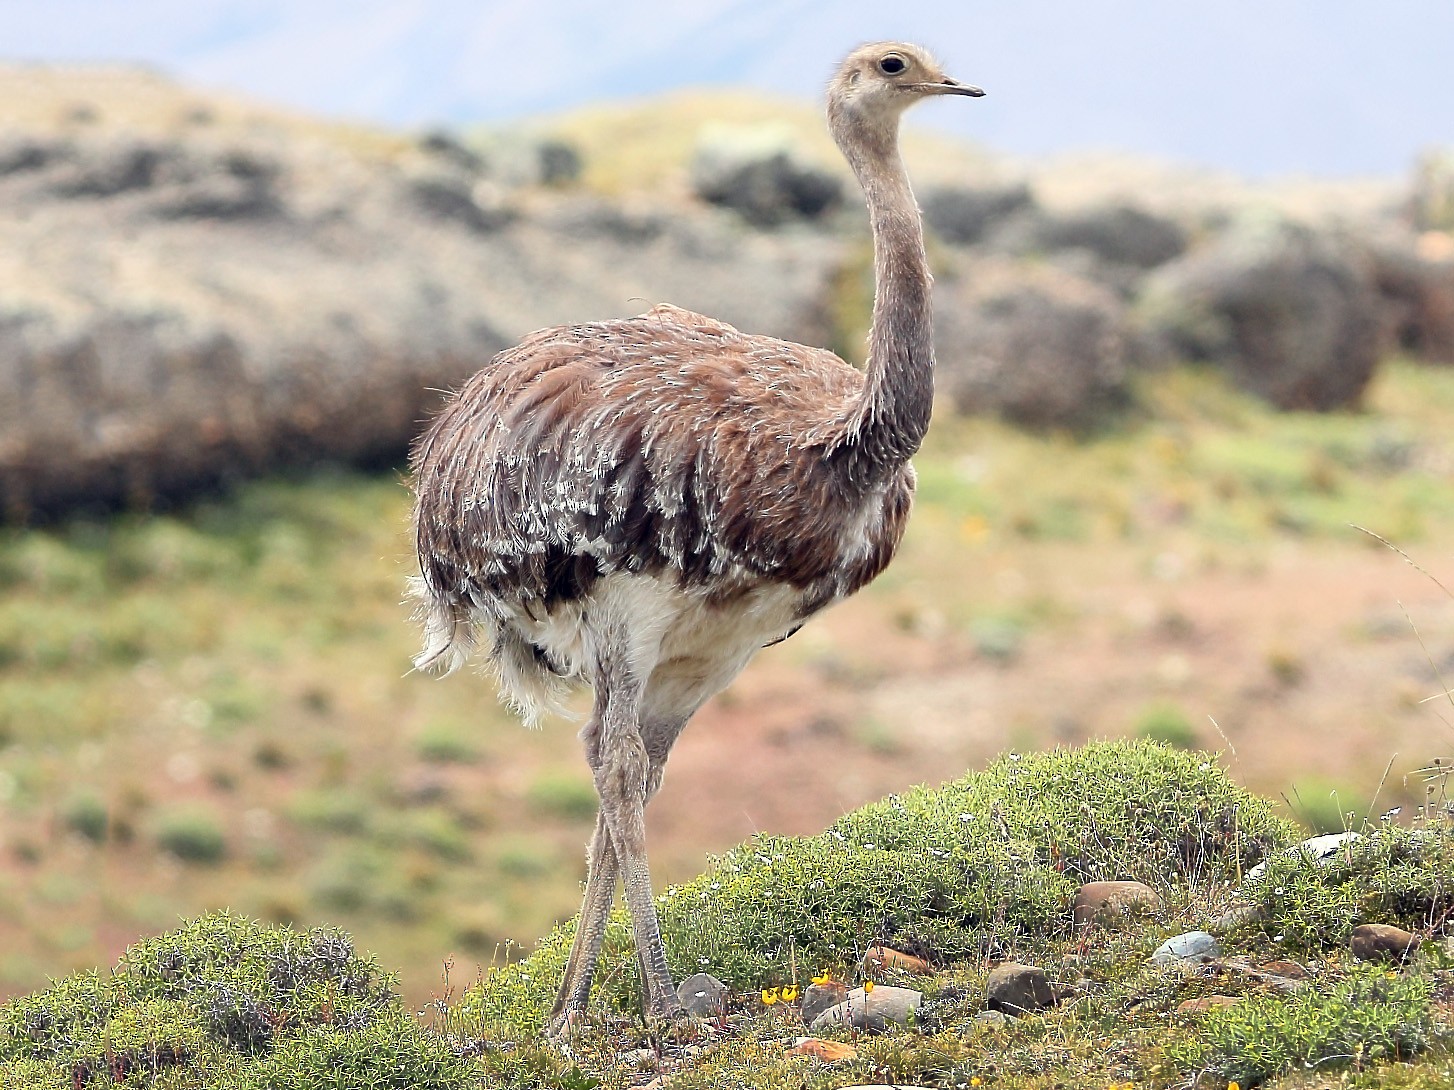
(602, 872)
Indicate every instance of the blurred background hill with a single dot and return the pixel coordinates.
(1172, 378)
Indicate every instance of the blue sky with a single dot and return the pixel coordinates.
(1262, 87)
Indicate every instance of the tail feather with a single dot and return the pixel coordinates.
(452, 632)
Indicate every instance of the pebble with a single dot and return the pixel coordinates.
(831, 1052)
(1193, 946)
(1382, 942)
(871, 1010)
(879, 958)
(702, 995)
(1205, 1003)
(991, 1018)
(1018, 989)
(1103, 902)
(817, 998)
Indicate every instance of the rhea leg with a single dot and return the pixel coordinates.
(603, 870)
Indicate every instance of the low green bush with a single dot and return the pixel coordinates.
(946, 870)
(1368, 1018)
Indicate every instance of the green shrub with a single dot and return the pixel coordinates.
(995, 855)
(201, 1006)
(192, 834)
(1369, 1017)
(1392, 874)
(86, 816)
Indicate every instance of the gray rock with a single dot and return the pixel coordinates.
(817, 998)
(703, 995)
(872, 1011)
(1290, 314)
(965, 215)
(991, 1018)
(203, 303)
(1017, 989)
(1117, 234)
(1193, 946)
(1032, 344)
(762, 180)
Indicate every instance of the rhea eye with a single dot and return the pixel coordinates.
(892, 64)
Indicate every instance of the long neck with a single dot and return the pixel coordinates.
(884, 429)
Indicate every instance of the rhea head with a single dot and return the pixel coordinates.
(878, 82)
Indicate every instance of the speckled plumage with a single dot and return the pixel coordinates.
(641, 504)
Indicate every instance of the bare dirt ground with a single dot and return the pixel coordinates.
(1304, 659)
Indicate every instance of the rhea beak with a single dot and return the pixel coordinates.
(948, 86)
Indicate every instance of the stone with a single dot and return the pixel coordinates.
(1037, 346)
(871, 1010)
(1382, 942)
(831, 1052)
(1104, 902)
(754, 173)
(1205, 1003)
(1018, 989)
(1289, 313)
(1195, 947)
(991, 1018)
(879, 958)
(817, 998)
(703, 995)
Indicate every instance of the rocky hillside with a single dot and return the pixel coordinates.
(1117, 915)
(191, 291)
(194, 289)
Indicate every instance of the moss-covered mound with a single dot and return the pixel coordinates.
(230, 1004)
(978, 870)
(953, 872)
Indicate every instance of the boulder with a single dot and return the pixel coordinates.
(1035, 345)
(1416, 296)
(966, 215)
(193, 304)
(754, 173)
(703, 995)
(1291, 314)
(1193, 948)
(1116, 234)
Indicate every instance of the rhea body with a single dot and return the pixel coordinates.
(641, 504)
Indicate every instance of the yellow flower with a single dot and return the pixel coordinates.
(1234, 1085)
(976, 1081)
(769, 996)
(867, 986)
(826, 978)
(790, 992)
